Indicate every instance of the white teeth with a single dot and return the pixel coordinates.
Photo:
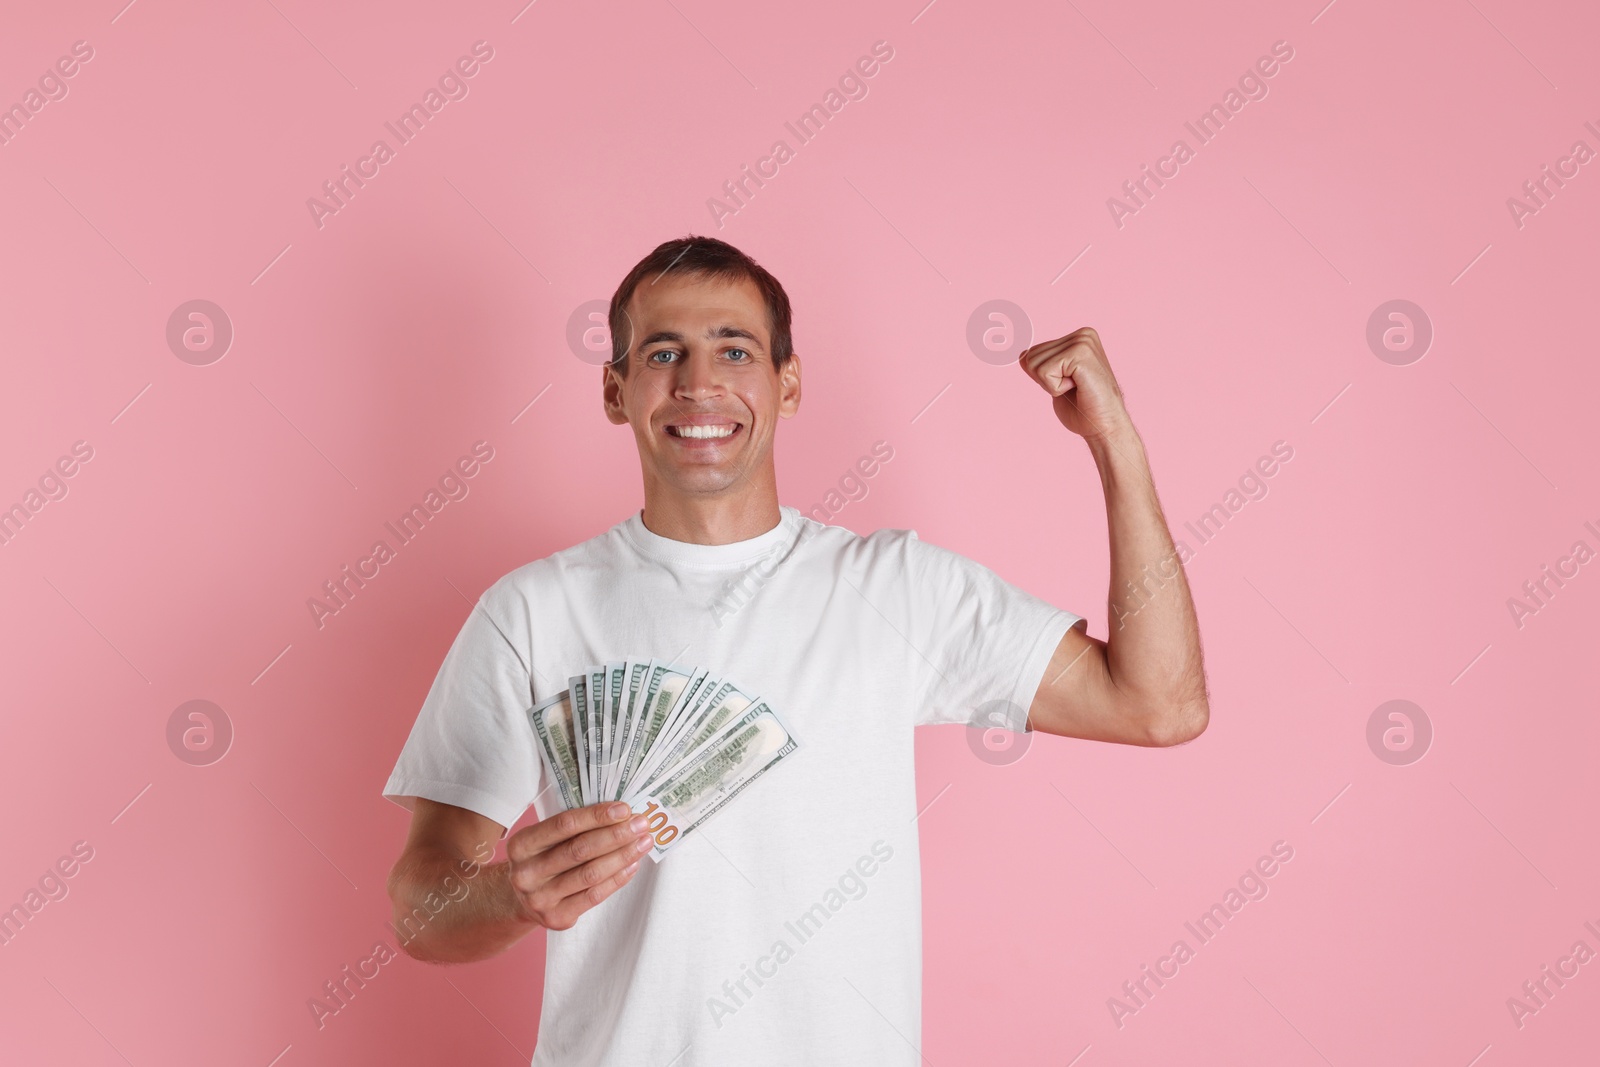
(703, 431)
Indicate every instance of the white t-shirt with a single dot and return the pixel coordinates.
(788, 928)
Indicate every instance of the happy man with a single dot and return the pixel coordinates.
(787, 931)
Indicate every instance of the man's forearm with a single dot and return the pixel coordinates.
(1153, 647)
(446, 913)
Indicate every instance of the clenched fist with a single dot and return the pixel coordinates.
(1073, 369)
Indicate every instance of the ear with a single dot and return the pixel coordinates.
(789, 387)
(611, 396)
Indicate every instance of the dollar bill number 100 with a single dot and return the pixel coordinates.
(659, 824)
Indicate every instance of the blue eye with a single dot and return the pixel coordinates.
(736, 355)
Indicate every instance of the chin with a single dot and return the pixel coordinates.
(706, 481)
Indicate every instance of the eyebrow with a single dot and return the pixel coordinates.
(712, 333)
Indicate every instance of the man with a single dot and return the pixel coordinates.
(788, 929)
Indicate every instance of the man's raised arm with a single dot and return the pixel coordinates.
(1145, 684)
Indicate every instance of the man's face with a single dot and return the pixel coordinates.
(700, 392)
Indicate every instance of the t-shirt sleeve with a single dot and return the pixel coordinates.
(472, 745)
(984, 642)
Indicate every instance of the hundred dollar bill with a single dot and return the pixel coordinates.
(687, 710)
(596, 675)
(617, 723)
(634, 679)
(664, 686)
(723, 701)
(690, 699)
(691, 794)
(578, 686)
(616, 678)
(552, 724)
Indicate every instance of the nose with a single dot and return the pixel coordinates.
(697, 376)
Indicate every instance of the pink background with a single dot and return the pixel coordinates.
(370, 353)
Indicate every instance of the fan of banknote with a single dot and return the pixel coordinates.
(675, 743)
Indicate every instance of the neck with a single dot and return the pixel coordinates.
(711, 518)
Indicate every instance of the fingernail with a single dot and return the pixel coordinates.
(617, 811)
(638, 823)
(645, 843)
(630, 868)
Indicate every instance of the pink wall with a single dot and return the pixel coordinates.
(371, 351)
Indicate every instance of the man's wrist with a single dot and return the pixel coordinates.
(1117, 448)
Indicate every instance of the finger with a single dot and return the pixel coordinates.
(596, 871)
(548, 833)
(1034, 361)
(533, 873)
(1055, 351)
(1056, 373)
(1034, 354)
(568, 911)
(1085, 333)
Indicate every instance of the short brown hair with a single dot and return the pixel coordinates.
(711, 258)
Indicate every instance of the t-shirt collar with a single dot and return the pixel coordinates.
(667, 550)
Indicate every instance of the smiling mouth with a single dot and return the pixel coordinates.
(701, 433)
